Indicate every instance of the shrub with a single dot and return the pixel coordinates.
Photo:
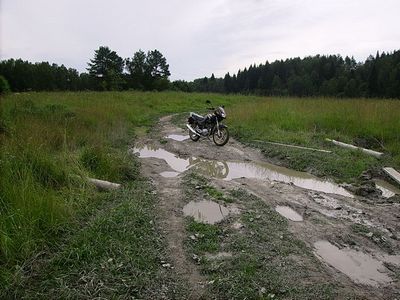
(4, 86)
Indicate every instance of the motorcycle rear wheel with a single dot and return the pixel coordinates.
(222, 138)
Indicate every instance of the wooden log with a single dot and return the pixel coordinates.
(104, 185)
(348, 146)
(392, 173)
(293, 146)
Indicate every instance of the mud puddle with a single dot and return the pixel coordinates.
(176, 163)
(206, 211)
(232, 170)
(289, 213)
(177, 137)
(360, 267)
(388, 190)
(168, 174)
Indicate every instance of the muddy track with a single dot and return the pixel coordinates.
(328, 212)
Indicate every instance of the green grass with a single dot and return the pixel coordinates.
(50, 142)
(307, 122)
(116, 254)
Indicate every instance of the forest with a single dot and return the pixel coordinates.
(320, 75)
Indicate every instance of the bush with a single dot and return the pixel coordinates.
(4, 86)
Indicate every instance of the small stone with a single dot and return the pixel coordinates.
(193, 238)
(196, 258)
(166, 265)
(376, 239)
(369, 234)
(237, 225)
(197, 187)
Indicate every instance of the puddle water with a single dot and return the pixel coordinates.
(360, 267)
(231, 170)
(388, 190)
(289, 213)
(176, 163)
(177, 137)
(205, 211)
(169, 174)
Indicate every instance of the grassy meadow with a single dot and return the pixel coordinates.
(51, 141)
(369, 123)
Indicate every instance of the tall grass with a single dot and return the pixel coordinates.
(369, 123)
(50, 142)
(373, 120)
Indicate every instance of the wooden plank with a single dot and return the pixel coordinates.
(392, 173)
(104, 185)
(348, 146)
(293, 146)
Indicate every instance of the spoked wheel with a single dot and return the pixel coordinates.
(194, 137)
(222, 137)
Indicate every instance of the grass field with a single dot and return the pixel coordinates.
(368, 123)
(51, 141)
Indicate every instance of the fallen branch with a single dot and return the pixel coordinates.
(294, 146)
(104, 185)
(348, 146)
(392, 173)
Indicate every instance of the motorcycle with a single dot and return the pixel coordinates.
(209, 126)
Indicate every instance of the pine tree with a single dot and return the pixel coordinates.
(107, 67)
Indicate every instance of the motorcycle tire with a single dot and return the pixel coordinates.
(193, 137)
(222, 138)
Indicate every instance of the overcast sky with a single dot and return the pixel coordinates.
(197, 37)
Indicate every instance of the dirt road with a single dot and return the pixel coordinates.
(348, 242)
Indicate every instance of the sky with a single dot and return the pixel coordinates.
(197, 37)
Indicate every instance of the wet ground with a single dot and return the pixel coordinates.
(229, 170)
(206, 211)
(357, 241)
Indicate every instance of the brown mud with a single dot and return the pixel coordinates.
(340, 228)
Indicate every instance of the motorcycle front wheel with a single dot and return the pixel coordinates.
(194, 137)
(222, 137)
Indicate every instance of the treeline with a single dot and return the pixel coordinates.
(106, 71)
(318, 75)
(331, 75)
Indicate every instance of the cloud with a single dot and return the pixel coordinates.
(197, 37)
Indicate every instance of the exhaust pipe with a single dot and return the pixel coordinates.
(192, 130)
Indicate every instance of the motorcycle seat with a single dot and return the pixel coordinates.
(197, 117)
